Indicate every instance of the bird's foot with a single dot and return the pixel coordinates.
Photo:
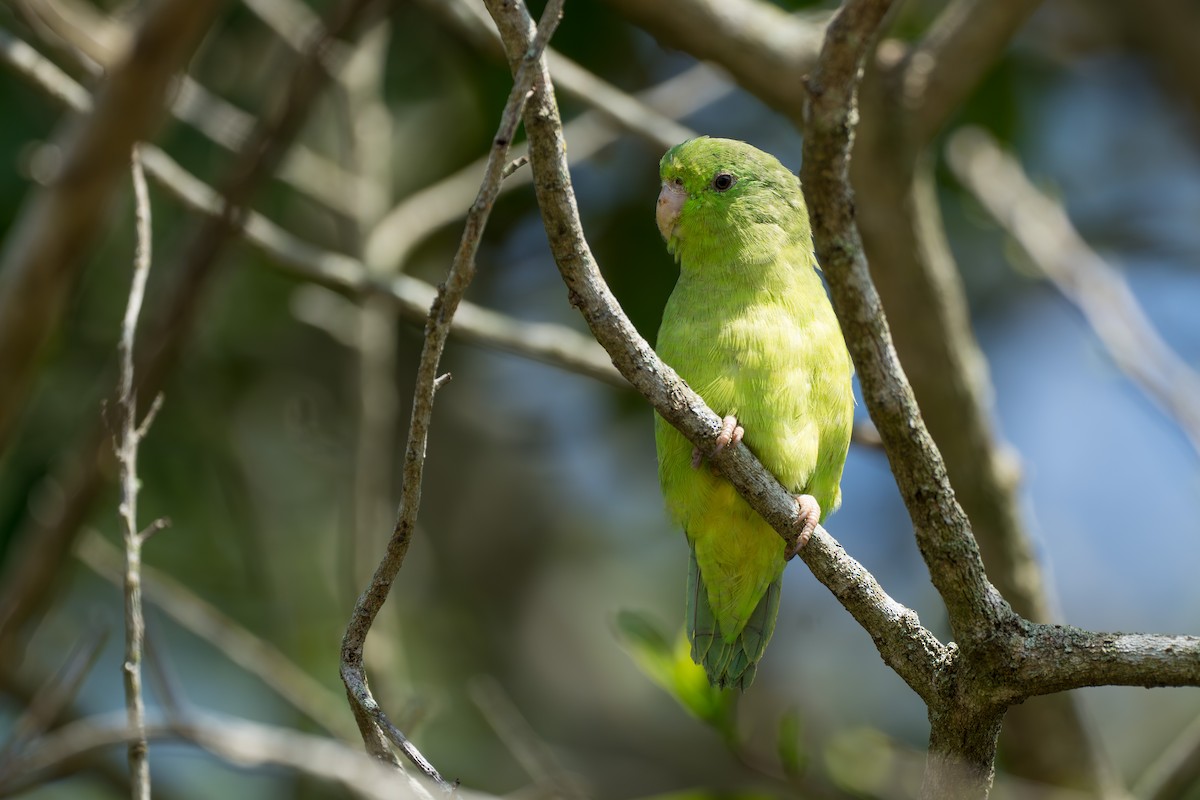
(731, 433)
(808, 516)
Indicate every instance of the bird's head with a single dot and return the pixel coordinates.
(724, 198)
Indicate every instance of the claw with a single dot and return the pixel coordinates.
(808, 516)
(731, 433)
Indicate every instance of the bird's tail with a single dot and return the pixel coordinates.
(728, 660)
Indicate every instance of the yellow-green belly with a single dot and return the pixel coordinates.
(783, 371)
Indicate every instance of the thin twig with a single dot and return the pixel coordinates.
(241, 646)
(514, 165)
(237, 741)
(461, 272)
(1045, 232)
(533, 754)
(964, 730)
(53, 696)
(420, 214)
(127, 452)
(628, 112)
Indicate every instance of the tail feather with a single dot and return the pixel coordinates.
(728, 660)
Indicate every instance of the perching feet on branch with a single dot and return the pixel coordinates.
(731, 433)
(808, 516)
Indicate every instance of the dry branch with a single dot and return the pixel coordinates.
(46, 248)
(907, 98)
(1044, 231)
(237, 741)
(241, 646)
(97, 40)
(764, 48)
(39, 559)
(943, 532)
(373, 722)
(952, 58)
(410, 297)
(131, 433)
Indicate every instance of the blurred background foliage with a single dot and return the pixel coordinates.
(541, 519)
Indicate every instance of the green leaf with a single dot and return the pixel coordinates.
(671, 667)
(650, 649)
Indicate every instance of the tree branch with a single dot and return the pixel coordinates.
(32, 573)
(951, 59)
(760, 44)
(437, 330)
(965, 718)
(242, 647)
(54, 231)
(904, 99)
(132, 433)
(942, 529)
(1045, 232)
(1061, 657)
(237, 741)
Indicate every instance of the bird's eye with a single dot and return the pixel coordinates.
(678, 181)
(723, 181)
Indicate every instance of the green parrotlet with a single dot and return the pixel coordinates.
(751, 330)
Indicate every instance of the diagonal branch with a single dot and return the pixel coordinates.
(58, 223)
(1044, 231)
(904, 645)
(761, 45)
(961, 46)
(253, 654)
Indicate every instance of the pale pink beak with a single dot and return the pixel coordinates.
(670, 203)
